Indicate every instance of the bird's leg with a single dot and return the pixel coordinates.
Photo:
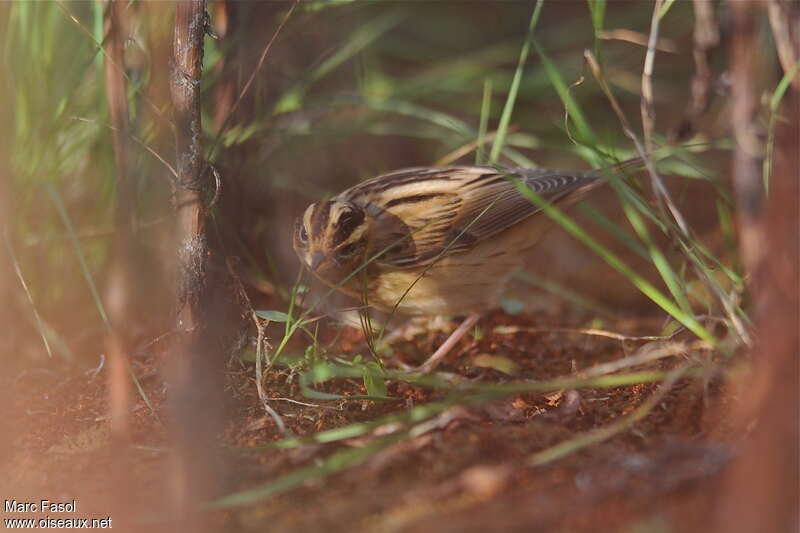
(434, 360)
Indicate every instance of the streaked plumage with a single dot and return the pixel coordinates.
(447, 238)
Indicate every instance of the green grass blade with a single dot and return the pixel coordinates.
(468, 393)
(774, 105)
(665, 8)
(597, 8)
(658, 259)
(729, 233)
(566, 294)
(353, 457)
(87, 275)
(486, 103)
(604, 433)
(359, 40)
(415, 415)
(62, 211)
(614, 229)
(505, 118)
(584, 132)
(614, 261)
(39, 322)
(335, 463)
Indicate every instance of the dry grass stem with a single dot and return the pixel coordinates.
(509, 330)
(262, 395)
(604, 433)
(461, 151)
(115, 64)
(727, 300)
(647, 107)
(651, 351)
(706, 39)
(636, 37)
(784, 18)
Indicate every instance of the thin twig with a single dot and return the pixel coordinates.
(89, 233)
(507, 330)
(260, 356)
(39, 322)
(784, 18)
(646, 354)
(461, 151)
(600, 434)
(114, 63)
(683, 234)
(134, 139)
(635, 37)
(250, 80)
(260, 376)
(647, 107)
(706, 38)
(659, 189)
(62, 210)
(305, 404)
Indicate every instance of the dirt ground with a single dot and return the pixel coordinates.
(468, 473)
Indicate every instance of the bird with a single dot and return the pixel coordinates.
(434, 240)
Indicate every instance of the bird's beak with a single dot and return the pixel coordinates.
(316, 260)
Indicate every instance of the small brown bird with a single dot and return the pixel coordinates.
(433, 241)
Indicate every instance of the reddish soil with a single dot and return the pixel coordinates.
(467, 474)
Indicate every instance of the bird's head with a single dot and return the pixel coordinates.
(332, 237)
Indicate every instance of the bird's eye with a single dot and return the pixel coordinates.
(303, 234)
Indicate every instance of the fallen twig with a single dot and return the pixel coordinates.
(598, 435)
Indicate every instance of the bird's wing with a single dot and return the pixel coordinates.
(420, 215)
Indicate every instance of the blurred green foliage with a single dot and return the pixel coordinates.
(349, 90)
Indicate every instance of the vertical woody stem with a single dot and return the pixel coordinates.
(190, 23)
(749, 151)
(765, 472)
(118, 288)
(194, 376)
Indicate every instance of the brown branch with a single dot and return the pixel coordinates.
(119, 284)
(747, 163)
(195, 378)
(765, 476)
(706, 39)
(190, 19)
